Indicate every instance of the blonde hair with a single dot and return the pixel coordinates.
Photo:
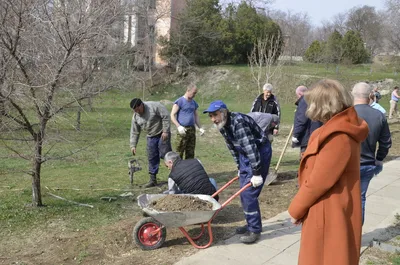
(326, 99)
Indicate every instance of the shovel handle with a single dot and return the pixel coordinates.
(284, 148)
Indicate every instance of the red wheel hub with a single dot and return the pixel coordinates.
(149, 234)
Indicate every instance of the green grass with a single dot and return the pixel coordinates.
(100, 168)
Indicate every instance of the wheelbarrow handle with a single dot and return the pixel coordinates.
(236, 194)
(225, 186)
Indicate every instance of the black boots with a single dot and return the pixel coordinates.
(249, 237)
(152, 182)
(241, 230)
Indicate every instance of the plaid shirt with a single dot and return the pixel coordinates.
(242, 134)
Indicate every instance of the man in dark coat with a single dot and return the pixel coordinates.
(267, 103)
(303, 126)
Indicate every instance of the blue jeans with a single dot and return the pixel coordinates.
(366, 174)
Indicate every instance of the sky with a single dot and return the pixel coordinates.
(320, 10)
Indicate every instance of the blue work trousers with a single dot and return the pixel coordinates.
(156, 150)
(249, 197)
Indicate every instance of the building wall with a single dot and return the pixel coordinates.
(163, 18)
(162, 27)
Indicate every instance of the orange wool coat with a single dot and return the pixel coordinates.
(329, 198)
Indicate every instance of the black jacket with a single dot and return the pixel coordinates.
(191, 178)
(378, 133)
(303, 126)
(271, 105)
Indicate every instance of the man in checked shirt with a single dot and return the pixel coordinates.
(252, 152)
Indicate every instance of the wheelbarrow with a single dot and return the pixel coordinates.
(150, 232)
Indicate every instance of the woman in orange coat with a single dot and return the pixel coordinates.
(328, 203)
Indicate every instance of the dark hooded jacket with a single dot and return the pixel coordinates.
(271, 105)
(303, 126)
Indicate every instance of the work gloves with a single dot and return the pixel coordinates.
(181, 130)
(256, 181)
(378, 167)
(295, 142)
(202, 131)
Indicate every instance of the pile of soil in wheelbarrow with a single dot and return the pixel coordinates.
(177, 203)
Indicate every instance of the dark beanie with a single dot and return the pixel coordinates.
(135, 102)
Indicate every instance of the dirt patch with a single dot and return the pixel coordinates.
(178, 203)
(114, 244)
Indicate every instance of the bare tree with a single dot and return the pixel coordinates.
(43, 47)
(323, 32)
(262, 60)
(392, 24)
(339, 22)
(297, 28)
(368, 22)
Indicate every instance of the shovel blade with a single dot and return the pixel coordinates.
(270, 178)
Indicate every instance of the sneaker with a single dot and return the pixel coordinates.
(241, 230)
(250, 237)
(150, 184)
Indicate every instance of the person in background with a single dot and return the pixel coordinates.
(328, 202)
(374, 104)
(266, 121)
(188, 176)
(371, 164)
(267, 103)
(303, 127)
(152, 117)
(394, 99)
(184, 115)
(252, 152)
(376, 93)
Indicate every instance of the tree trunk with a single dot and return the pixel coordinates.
(78, 116)
(37, 165)
(78, 119)
(90, 105)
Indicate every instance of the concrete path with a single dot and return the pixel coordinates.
(279, 243)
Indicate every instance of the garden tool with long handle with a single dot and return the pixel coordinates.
(273, 175)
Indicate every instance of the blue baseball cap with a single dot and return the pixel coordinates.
(215, 105)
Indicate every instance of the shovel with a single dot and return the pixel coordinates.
(272, 176)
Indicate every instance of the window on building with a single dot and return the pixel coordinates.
(141, 28)
(152, 4)
(152, 34)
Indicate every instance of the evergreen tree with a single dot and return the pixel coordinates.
(314, 53)
(354, 50)
(206, 37)
(334, 49)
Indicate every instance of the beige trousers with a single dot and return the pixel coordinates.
(393, 109)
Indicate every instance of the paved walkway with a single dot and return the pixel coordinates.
(279, 242)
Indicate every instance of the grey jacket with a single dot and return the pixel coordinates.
(154, 120)
(266, 121)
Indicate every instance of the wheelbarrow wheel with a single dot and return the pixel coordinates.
(146, 236)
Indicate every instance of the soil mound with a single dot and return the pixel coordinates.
(177, 203)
